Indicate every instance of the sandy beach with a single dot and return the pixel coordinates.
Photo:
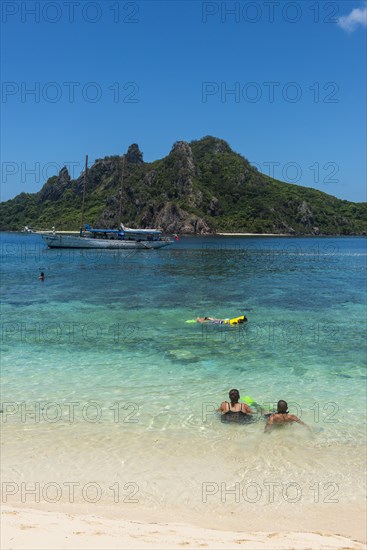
(255, 234)
(30, 529)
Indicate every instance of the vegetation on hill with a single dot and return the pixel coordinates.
(200, 187)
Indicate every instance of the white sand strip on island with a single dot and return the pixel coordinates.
(255, 234)
(32, 529)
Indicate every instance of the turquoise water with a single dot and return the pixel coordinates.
(106, 331)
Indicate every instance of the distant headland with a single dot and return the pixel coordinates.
(201, 187)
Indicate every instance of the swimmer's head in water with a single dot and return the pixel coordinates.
(242, 319)
(282, 407)
(234, 396)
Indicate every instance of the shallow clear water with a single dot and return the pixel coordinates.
(105, 381)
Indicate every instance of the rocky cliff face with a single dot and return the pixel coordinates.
(306, 215)
(131, 195)
(182, 158)
(55, 187)
(163, 214)
(174, 220)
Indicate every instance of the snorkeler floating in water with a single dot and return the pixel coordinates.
(281, 417)
(214, 321)
(235, 411)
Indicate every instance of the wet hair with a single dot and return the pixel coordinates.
(234, 396)
(282, 407)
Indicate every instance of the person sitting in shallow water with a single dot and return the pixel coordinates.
(281, 417)
(235, 411)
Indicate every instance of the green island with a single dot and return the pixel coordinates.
(201, 187)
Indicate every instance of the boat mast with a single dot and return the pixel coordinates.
(121, 187)
(84, 187)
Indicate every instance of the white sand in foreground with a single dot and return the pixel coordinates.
(32, 529)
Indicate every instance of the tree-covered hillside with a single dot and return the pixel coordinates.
(200, 187)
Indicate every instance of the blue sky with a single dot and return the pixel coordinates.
(283, 82)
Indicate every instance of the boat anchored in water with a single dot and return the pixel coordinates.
(123, 238)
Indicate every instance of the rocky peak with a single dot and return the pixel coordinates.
(213, 145)
(183, 168)
(182, 152)
(64, 176)
(55, 186)
(134, 155)
(182, 147)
